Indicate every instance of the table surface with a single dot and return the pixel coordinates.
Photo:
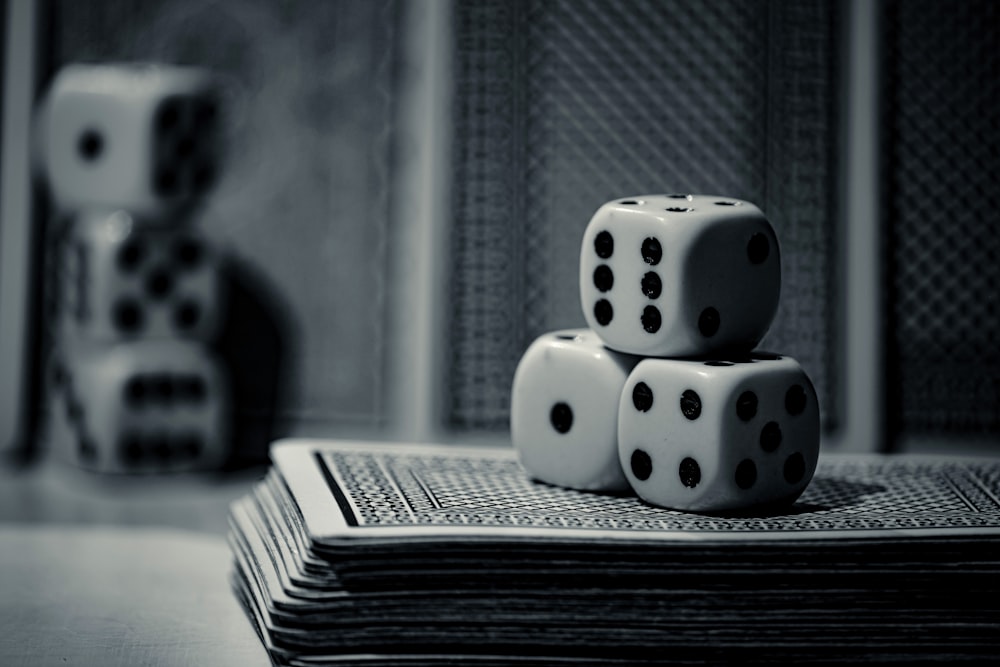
(98, 570)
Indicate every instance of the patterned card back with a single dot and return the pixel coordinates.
(379, 491)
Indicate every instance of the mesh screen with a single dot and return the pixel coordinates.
(942, 83)
(562, 106)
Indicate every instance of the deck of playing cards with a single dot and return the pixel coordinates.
(362, 553)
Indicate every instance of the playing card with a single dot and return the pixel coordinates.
(348, 493)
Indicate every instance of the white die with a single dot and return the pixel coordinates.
(719, 435)
(564, 410)
(679, 275)
(140, 137)
(121, 280)
(147, 406)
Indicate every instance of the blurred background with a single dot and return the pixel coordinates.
(406, 185)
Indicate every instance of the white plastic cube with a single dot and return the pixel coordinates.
(141, 137)
(719, 435)
(122, 280)
(679, 275)
(149, 406)
(564, 410)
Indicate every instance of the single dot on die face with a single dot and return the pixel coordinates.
(159, 283)
(795, 468)
(678, 209)
(162, 387)
(718, 363)
(651, 251)
(604, 244)
(642, 397)
(166, 181)
(130, 255)
(770, 436)
(679, 196)
(187, 314)
(161, 448)
(561, 417)
(689, 472)
(189, 445)
(758, 248)
(604, 278)
(192, 388)
(126, 314)
(641, 464)
(651, 319)
(746, 474)
(690, 404)
(134, 391)
(90, 144)
(168, 116)
(651, 285)
(188, 253)
(795, 400)
(708, 322)
(629, 202)
(746, 406)
(130, 450)
(603, 312)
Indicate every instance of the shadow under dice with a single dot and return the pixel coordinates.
(719, 435)
(679, 275)
(149, 406)
(564, 410)
(125, 280)
(140, 137)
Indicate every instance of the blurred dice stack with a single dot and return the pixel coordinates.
(128, 153)
(664, 393)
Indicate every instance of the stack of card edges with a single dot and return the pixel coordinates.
(359, 553)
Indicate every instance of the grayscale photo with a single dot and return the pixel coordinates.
(499, 332)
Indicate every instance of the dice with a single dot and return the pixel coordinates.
(148, 406)
(140, 137)
(564, 410)
(123, 279)
(679, 275)
(719, 435)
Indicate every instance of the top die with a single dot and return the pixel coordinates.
(140, 137)
(679, 275)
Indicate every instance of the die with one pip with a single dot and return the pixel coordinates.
(146, 406)
(679, 275)
(719, 435)
(141, 137)
(564, 410)
(124, 279)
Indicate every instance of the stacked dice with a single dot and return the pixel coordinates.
(664, 393)
(128, 152)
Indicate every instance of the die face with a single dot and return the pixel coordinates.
(749, 436)
(127, 281)
(142, 138)
(564, 405)
(629, 276)
(668, 428)
(679, 275)
(731, 282)
(774, 424)
(147, 407)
